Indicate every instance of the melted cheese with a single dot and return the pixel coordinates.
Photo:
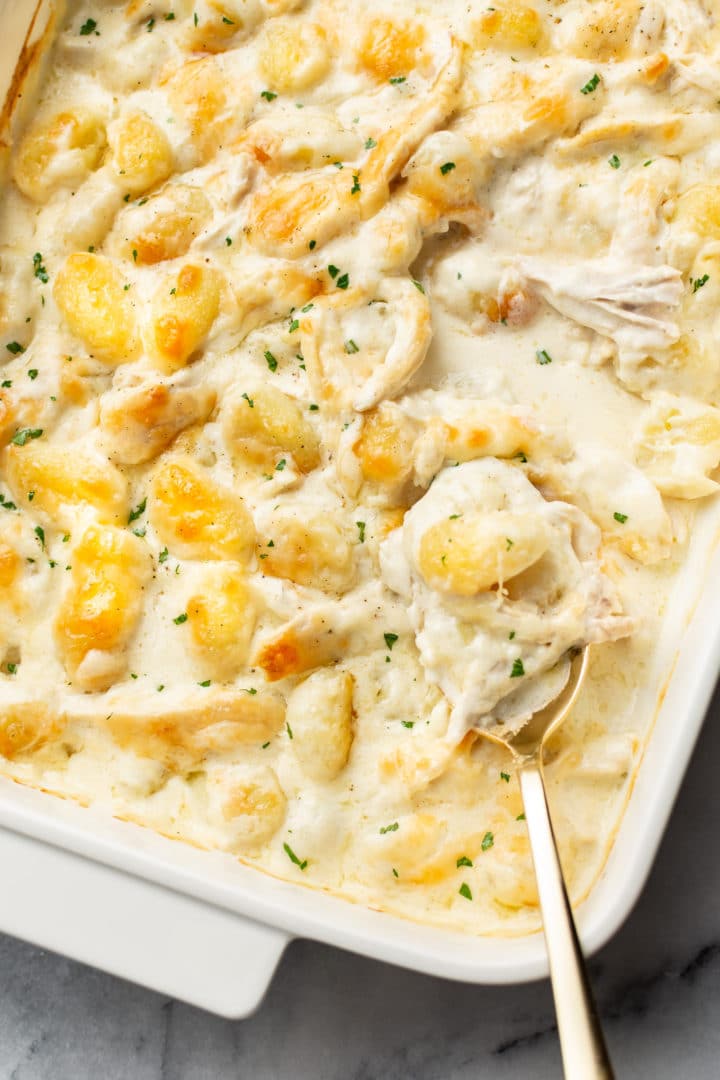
(335, 410)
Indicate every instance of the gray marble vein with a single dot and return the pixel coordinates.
(332, 1016)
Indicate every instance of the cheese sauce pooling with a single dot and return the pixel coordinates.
(356, 366)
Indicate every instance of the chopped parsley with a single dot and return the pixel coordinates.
(162, 557)
(205, 682)
(447, 167)
(520, 817)
(543, 356)
(698, 283)
(464, 861)
(21, 437)
(395, 873)
(333, 271)
(228, 22)
(6, 384)
(138, 511)
(408, 723)
(396, 80)
(89, 27)
(228, 241)
(195, 18)
(170, 16)
(39, 269)
(289, 731)
(250, 401)
(12, 668)
(308, 307)
(15, 348)
(590, 85)
(312, 245)
(509, 543)
(149, 25)
(294, 325)
(32, 373)
(268, 95)
(370, 143)
(522, 458)
(389, 828)
(343, 281)
(465, 891)
(280, 465)
(614, 162)
(40, 533)
(419, 286)
(390, 640)
(181, 618)
(293, 857)
(6, 504)
(251, 691)
(511, 635)
(271, 361)
(505, 776)
(361, 531)
(518, 669)
(351, 347)
(313, 407)
(487, 841)
(356, 184)
(622, 518)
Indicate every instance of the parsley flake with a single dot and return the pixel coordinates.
(205, 682)
(293, 857)
(40, 533)
(698, 283)
(390, 640)
(518, 669)
(32, 373)
(389, 828)
(361, 531)
(333, 271)
(622, 518)
(397, 79)
(280, 465)
(543, 356)
(250, 401)
(463, 861)
(505, 776)
(370, 143)
(447, 167)
(271, 361)
(181, 618)
(351, 347)
(163, 556)
(343, 281)
(614, 162)
(590, 85)
(21, 437)
(138, 511)
(465, 891)
(268, 95)
(356, 184)
(419, 286)
(39, 270)
(15, 348)
(487, 841)
(408, 723)
(88, 27)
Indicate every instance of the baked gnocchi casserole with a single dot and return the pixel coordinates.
(358, 363)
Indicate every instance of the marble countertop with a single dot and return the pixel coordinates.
(333, 1016)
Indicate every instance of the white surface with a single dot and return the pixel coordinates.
(333, 1016)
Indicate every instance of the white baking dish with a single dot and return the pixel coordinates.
(208, 930)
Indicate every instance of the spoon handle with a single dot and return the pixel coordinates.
(584, 1052)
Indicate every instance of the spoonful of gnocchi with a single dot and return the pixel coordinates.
(584, 1053)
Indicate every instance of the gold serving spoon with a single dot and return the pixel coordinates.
(584, 1053)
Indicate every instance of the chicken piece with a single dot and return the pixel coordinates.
(314, 207)
(631, 304)
(138, 423)
(357, 369)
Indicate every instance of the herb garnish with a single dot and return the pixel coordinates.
(518, 669)
(293, 857)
